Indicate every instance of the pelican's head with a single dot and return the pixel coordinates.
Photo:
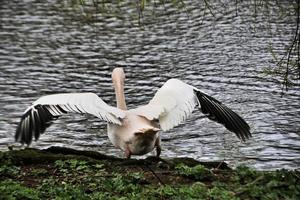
(118, 75)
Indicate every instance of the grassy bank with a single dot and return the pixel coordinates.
(60, 173)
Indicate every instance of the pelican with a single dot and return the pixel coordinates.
(134, 131)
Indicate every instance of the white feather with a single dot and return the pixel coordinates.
(81, 103)
(171, 105)
(151, 112)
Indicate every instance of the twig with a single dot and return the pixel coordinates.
(255, 11)
(184, 6)
(220, 164)
(243, 189)
(139, 9)
(296, 175)
(95, 2)
(287, 70)
(156, 176)
(236, 8)
(209, 8)
(298, 49)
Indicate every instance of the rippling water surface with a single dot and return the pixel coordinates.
(53, 47)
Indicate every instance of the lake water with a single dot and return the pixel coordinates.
(51, 47)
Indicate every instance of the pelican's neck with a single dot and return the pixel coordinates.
(118, 81)
(120, 96)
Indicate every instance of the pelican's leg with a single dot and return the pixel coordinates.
(158, 147)
(127, 153)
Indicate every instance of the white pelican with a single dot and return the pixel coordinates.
(134, 131)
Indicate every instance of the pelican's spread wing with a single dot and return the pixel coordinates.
(176, 100)
(220, 113)
(39, 116)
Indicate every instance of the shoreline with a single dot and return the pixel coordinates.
(65, 173)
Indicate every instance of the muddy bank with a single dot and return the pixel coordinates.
(62, 173)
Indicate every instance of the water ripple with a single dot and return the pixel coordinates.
(48, 48)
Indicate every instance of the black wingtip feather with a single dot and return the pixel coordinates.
(37, 127)
(28, 137)
(220, 113)
(33, 123)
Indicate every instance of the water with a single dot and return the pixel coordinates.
(52, 47)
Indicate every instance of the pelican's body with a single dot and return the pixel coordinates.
(134, 131)
(136, 136)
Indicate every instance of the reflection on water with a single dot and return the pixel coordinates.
(46, 48)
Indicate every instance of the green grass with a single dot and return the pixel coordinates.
(10, 189)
